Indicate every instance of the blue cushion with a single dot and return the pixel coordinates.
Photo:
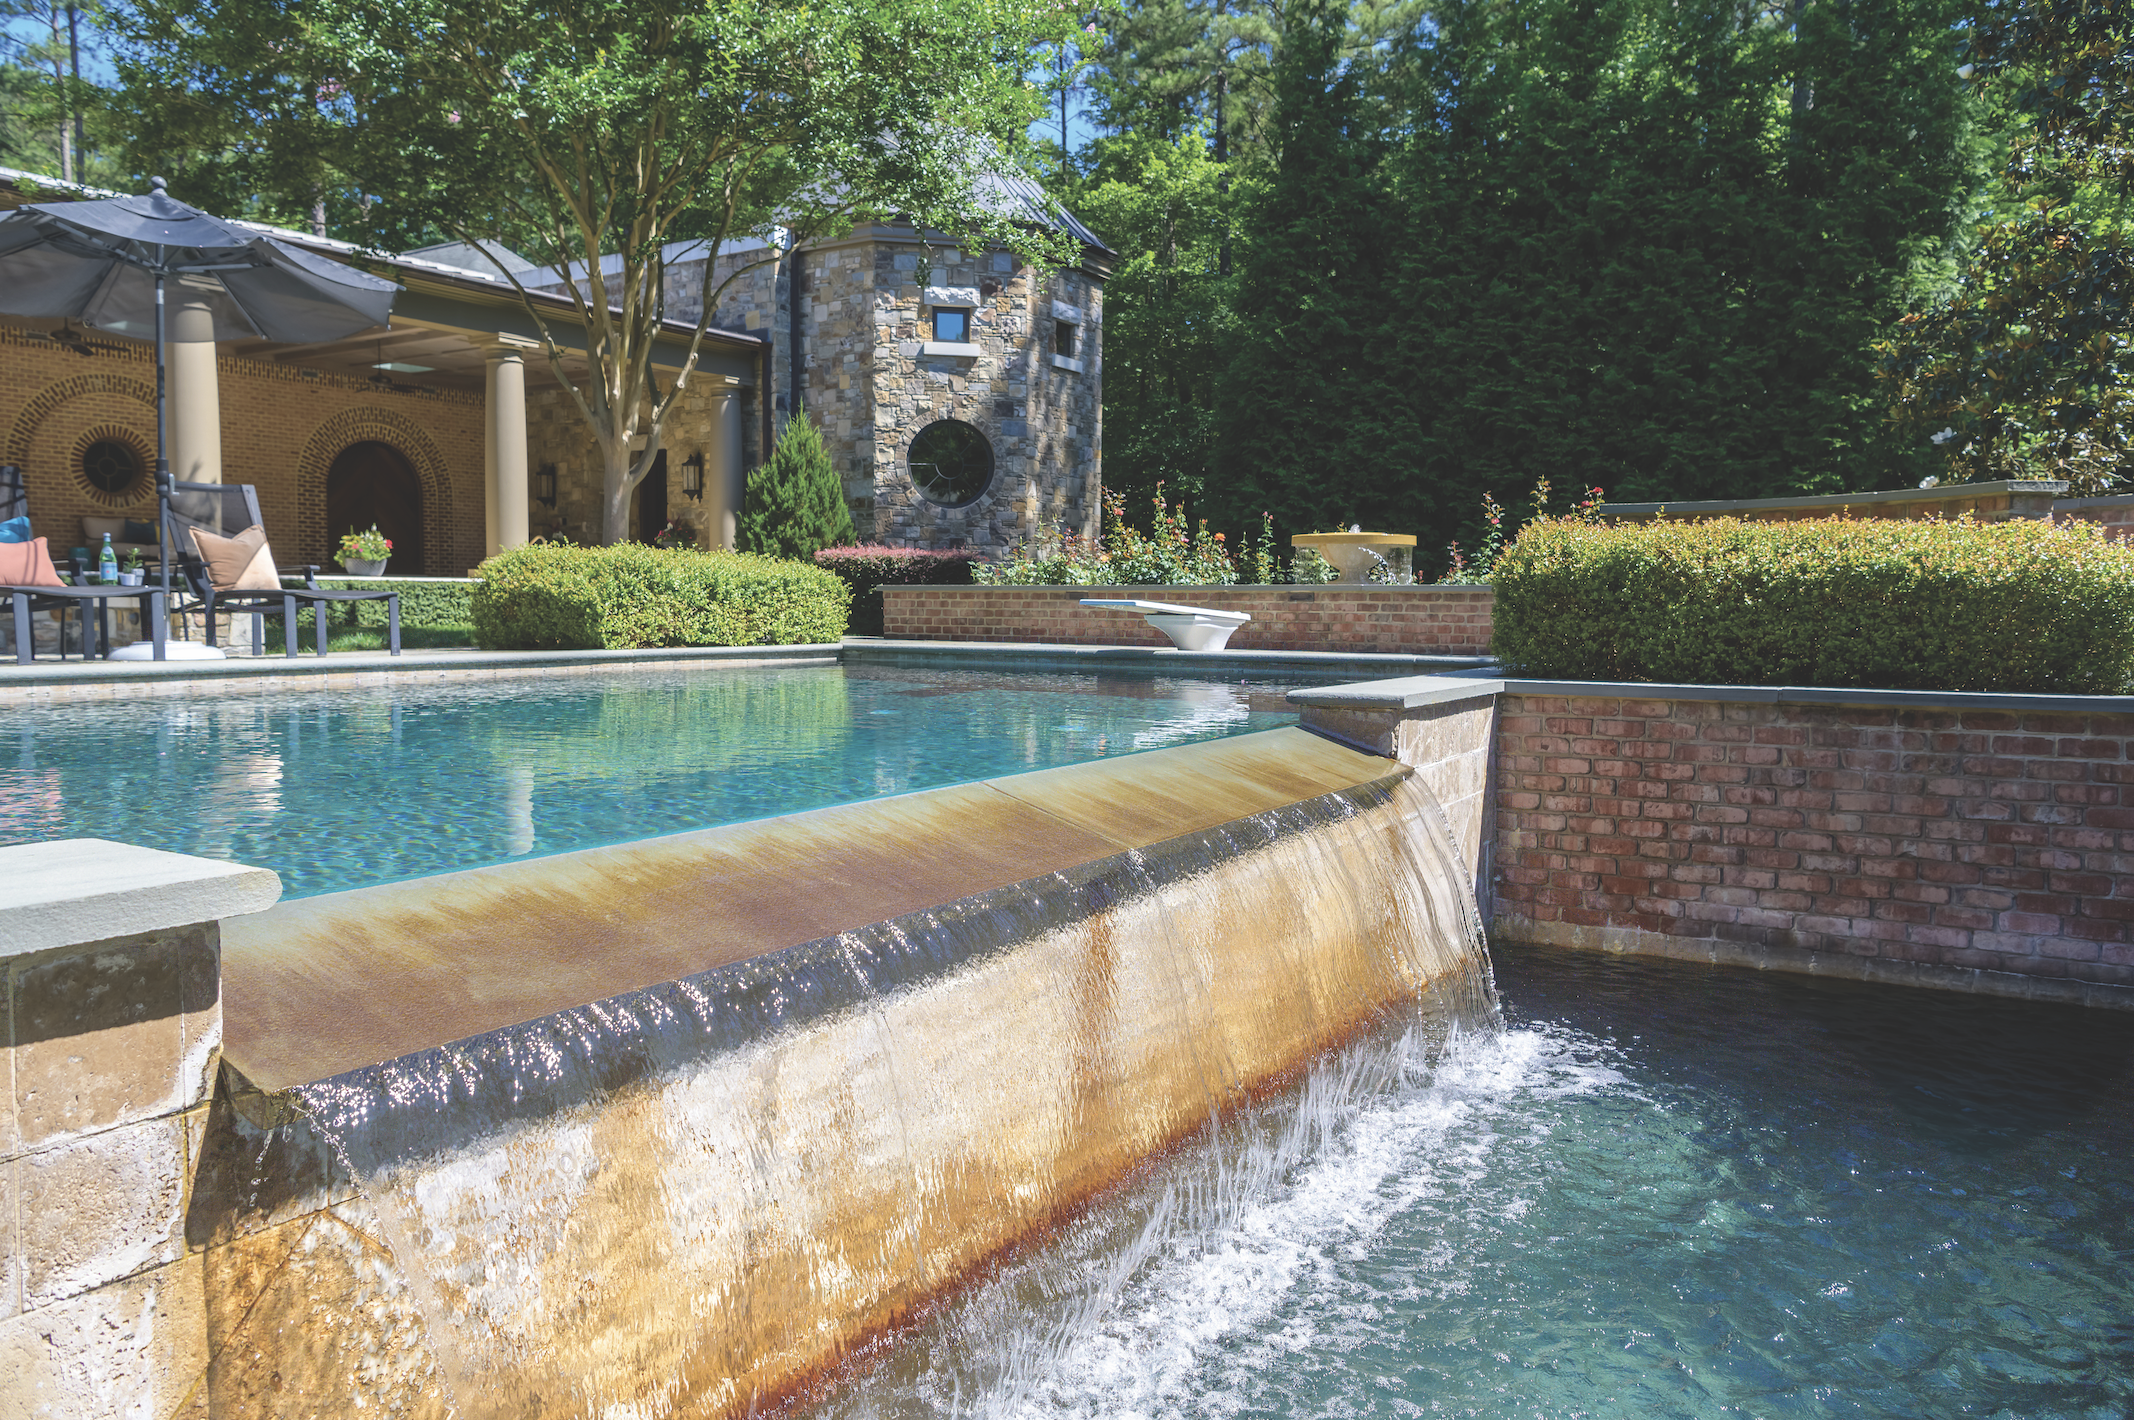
(15, 530)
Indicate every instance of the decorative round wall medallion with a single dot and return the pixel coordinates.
(951, 463)
(112, 466)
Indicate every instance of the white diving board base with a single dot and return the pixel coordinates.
(1191, 628)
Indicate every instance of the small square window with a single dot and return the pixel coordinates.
(1064, 336)
(952, 326)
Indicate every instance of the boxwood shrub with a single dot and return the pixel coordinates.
(423, 603)
(866, 570)
(547, 596)
(2023, 605)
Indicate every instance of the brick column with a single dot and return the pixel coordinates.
(114, 1026)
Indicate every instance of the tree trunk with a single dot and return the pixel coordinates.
(616, 487)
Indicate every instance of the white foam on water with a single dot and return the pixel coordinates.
(1221, 1269)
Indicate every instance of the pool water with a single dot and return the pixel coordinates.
(341, 789)
(1662, 1190)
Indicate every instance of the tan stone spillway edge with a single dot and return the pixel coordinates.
(601, 1222)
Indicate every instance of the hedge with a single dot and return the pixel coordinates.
(2023, 605)
(423, 603)
(550, 596)
(866, 570)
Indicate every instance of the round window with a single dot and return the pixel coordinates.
(112, 468)
(951, 463)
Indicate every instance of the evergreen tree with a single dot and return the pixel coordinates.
(1302, 403)
(795, 506)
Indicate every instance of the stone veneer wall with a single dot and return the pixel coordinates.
(1424, 620)
(1998, 839)
(280, 432)
(870, 387)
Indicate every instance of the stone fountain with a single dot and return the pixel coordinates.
(1355, 552)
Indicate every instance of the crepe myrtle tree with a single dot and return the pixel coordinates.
(571, 130)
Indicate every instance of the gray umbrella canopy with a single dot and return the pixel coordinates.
(106, 263)
(97, 263)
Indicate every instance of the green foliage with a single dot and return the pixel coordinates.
(1476, 572)
(580, 133)
(2026, 369)
(2022, 605)
(546, 596)
(795, 505)
(424, 603)
(866, 570)
(1173, 555)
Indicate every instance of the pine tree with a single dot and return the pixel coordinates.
(795, 506)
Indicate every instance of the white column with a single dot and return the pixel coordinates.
(724, 477)
(504, 457)
(193, 401)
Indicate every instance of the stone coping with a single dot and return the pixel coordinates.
(66, 892)
(324, 985)
(1294, 589)
(1070, 655)
(48, 681)
(1940, 493)
(1409, 693)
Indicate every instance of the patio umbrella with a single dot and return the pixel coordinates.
(104, 264)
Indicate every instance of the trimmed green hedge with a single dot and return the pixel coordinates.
(421, 603)
(866, 570)
(2022, 605)
(551, 596)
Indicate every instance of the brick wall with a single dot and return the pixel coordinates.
(280, 431)
(1999, 840)
(1411, 620)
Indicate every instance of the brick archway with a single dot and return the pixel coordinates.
(355, 426)
(47, 401)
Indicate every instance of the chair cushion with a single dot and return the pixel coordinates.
(243, 563)
(137, 531)
(15, 529)
(95, 530)
(27, 564)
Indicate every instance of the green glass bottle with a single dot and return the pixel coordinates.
(107, 564)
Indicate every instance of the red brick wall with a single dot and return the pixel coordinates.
(280, 432)
(1414, 620)
(2002, 841)
(2117, 517)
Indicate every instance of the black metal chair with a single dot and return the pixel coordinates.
(14, 496)
(225, 510)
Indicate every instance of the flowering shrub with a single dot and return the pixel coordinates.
(868, 569)
(2023, 605)
(1173, 554)
(1464, 573)
(372, 546)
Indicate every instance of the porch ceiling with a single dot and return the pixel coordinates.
(450, 359)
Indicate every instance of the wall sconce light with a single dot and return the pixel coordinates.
(544, 484)
(693, 476)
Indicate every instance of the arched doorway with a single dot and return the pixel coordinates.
(373, 482)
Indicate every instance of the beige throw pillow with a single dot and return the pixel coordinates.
(243, 563)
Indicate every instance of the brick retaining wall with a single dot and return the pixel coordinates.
(1997, 840)
(1414, 620)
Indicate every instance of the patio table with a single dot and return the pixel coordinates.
(29, 599)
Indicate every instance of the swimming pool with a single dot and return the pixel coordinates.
(1661, 1191)
(342, 789)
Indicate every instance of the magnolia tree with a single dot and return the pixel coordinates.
(573, 130)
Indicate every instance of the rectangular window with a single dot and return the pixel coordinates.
(952, 326)
(1063, 338)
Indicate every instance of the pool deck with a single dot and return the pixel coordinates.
(54, 681)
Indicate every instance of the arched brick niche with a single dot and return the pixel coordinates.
(315, 542)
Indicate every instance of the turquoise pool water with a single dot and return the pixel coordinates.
(340, 789)
(1659, 1192)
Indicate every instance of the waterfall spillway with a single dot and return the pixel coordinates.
(696, 1197)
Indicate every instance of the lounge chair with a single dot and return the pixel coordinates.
(225, 516)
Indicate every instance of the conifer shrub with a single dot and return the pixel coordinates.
(795, 505)
(866, 570)
(552, 596)
(2014, 606)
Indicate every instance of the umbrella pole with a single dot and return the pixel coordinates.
(162, 451)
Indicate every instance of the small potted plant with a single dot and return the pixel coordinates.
(132, 574)
(364, 554)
